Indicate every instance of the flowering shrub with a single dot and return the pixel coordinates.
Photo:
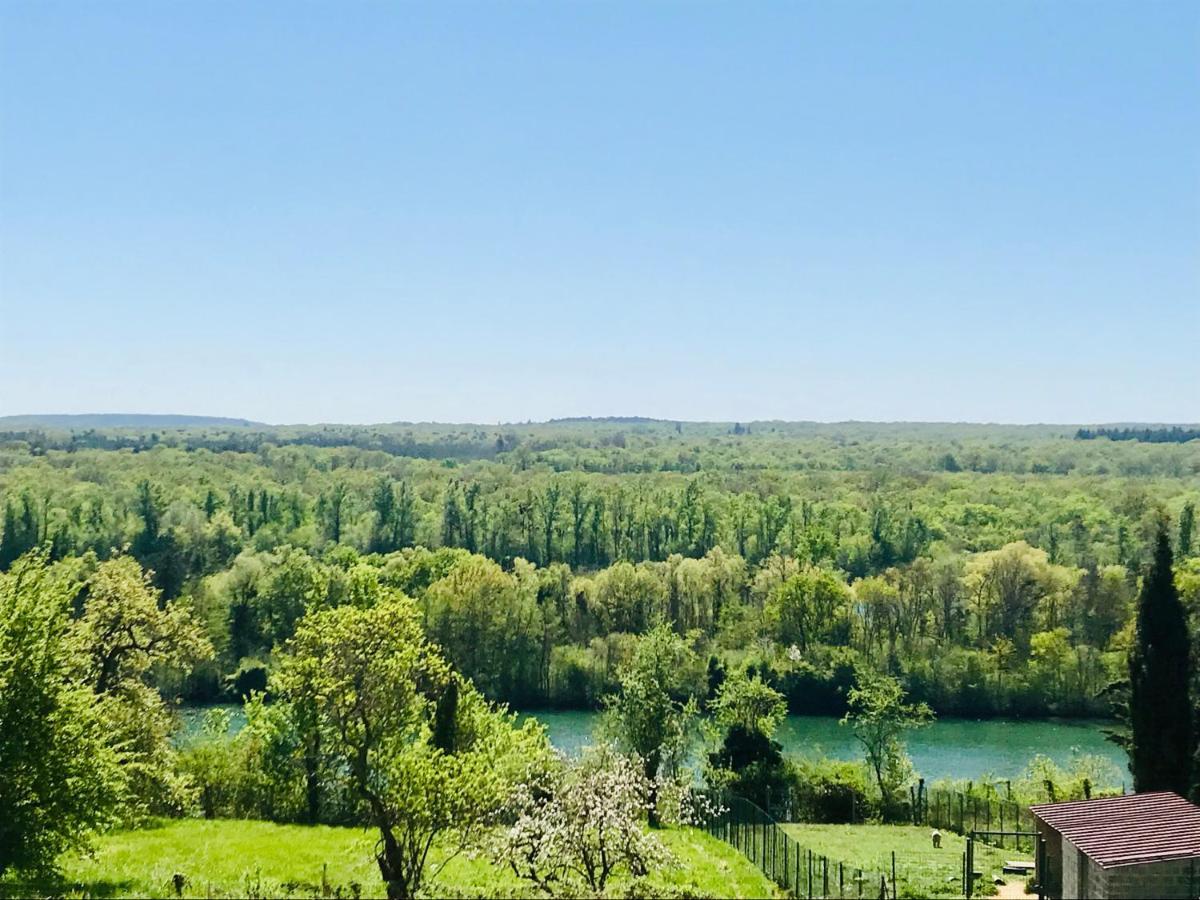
(679, 803)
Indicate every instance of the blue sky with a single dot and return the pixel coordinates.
(371, 212)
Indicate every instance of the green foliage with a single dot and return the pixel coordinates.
(126, 633)
(880, 717)
(745, 714)
(488, 623)
(273, 768)
(655, 711)
(749, 703)
(373, 678)
(764, 538)
(1161, 748)
(1044, 780)
(61, 772)
(829, 790)
(807, 607)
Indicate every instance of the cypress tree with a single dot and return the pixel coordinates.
(1160, 751)
(1187, 521)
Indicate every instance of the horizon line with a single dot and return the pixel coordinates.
(246, 422)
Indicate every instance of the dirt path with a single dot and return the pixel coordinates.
(1014, 890)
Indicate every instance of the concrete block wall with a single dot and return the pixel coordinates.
(1052, 878)
(1174, 879)
(1075, 868)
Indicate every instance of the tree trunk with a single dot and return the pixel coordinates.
(651, 772)
(312, 782)
(391, 867)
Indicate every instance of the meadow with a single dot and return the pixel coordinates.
(252, 859)
(921, 869)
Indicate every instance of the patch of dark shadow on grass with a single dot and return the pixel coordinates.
(52, 886)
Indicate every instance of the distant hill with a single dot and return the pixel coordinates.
(608, 420)
(120, 420)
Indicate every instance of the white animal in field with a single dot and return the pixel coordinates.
(937, 839)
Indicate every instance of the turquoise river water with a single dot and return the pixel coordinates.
(949, 748)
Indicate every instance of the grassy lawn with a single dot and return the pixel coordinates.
(225, 858)
(921, 871)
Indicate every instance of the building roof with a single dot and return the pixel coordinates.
(1121, 831)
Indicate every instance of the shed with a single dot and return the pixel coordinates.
(1134, 846)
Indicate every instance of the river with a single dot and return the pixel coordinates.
(949, 748)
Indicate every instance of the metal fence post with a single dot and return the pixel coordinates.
(775, 852)
(970, 867)
(786, 870)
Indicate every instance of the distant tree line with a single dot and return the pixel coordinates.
(1176, 434)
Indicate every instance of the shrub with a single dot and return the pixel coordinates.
(829, 790)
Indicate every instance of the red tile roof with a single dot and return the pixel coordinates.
(1120, 831)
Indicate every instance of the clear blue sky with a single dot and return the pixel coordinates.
(984, 211)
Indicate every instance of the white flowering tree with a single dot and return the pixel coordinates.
(581, 823)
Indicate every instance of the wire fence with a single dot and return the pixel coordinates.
(1004, 822)
(795, 868)
(967, 866)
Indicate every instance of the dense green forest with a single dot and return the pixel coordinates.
(1174, 434)
(992, 569)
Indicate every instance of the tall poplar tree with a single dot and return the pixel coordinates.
(1160, 714)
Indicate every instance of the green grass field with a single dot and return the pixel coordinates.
(921, 871)
(225, 858)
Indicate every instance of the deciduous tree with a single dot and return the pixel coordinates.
(880, 717)
(61, 772)
(375, 682)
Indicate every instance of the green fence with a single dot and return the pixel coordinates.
(794, 868)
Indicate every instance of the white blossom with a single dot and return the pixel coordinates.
(581, 822)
